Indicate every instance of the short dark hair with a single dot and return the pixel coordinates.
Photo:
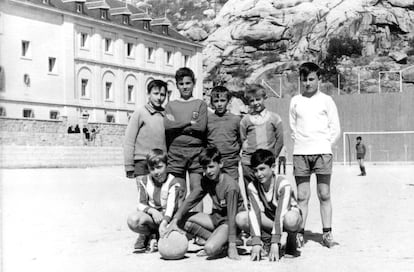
(155, 156)
(209, 154)
(309, 67)
(254, 90)
(183, 72)
(359, 138)
(220, 90)
(156, 83)
(262, 156)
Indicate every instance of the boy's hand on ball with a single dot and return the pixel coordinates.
(172, 227)
(156, 215)
(232, 252)
(274, 252)
(163, 228)
(255, 254)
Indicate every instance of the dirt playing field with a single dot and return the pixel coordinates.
(75, 220)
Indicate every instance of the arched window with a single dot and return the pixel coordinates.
(84, 83)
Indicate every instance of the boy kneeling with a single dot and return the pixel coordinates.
(273, 208)
(218, 228)
(159, 197)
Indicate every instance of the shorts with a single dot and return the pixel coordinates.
(182, 159)
(305, 165)
(140, 168)
(218, 219)
(231, 166)
(360, 156)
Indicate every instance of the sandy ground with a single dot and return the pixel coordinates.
(75, 220)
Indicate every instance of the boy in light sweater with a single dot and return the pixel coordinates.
(314, 122)
(145, 131)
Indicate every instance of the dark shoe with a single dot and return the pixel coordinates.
(327, 240)
(141, 243)
(153, 243)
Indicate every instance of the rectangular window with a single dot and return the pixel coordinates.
(186, 60)
(2, 111)
(146, 25)
(84, 40)
(130, 93)
(125, 19)
(150, 54)
(129, 49)
(25, 49)
(28, 113)
(165, 30)
(108, 45)
(52, 65)
(54, 115)
(169, 58)
(110, 118)
(79, 7)
(84, 87)
(104, 14)
(108, 90)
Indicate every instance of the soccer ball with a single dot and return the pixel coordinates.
(173, 247)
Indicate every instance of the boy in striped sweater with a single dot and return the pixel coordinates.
(159, 197)
(273, 209)
(260, 129)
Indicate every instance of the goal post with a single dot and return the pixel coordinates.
(382, 146)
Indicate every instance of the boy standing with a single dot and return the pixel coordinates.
(159, 197)
(272, 199)
(218, 228)
(282, 160)
(361, 150)
(260, 129)
(185, 130)
(145, 131)
(224, 131)
(315, 127)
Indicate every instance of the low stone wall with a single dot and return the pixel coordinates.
(32, 132)
(15, 156)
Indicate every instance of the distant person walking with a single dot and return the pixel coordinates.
(282, 160)
(360, 154)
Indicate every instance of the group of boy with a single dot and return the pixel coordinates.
(208, 145)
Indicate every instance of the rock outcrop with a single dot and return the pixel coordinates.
(248, 37)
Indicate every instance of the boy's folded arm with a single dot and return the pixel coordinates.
(199, 124)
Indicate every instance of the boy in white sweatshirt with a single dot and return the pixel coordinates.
(314, 122)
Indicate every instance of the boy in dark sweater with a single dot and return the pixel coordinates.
(218, 228)
(185, 130)
(224, 131)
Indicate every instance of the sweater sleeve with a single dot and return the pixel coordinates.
(279, 137)
(232, 204)
(175, 194)
(170, 123)
(254, 215)
(292, 119)
(143, 198)
(333, 121)
(201, 122)
(131, 134)
(243, 129)
(190, 202)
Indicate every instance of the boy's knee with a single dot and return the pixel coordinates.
(133, 221)
(324, 196)
(303, 195)
(210, 249)
(242, 220)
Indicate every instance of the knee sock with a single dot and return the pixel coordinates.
(325, 230)
(363, 170)
(197, 230)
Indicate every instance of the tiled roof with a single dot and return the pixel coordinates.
(117, 10)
